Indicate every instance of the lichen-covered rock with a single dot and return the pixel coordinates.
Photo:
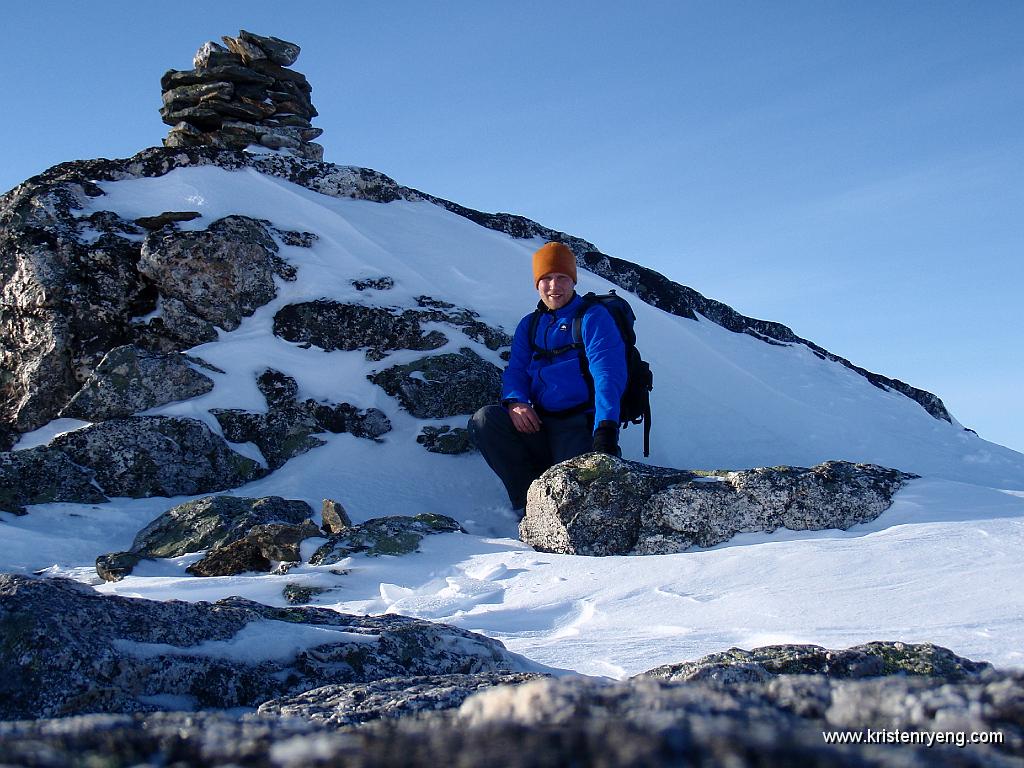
(288, 427)
(68, 650)
(447, 440)
(129, 380)
(440, 386)
(874, 659)
(334, 517)
(68, 289)
(222, 274)
(333, 325)
(563, 721)
(42, 475)
(157, 456)
(259, 550)
(601, 505)
(394, 535)
(388, 699)
(210, 523)
(301, 594)
(176, 328)
(465, 319)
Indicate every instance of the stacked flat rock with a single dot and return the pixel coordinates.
(240, 96)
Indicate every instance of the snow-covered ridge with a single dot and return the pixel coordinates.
(940, 565)
(363, 183)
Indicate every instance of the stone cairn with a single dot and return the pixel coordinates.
(240, 96)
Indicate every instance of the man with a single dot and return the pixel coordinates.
(555, 404)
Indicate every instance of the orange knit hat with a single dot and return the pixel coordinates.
(553, 257)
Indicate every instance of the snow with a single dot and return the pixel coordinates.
(942, 565)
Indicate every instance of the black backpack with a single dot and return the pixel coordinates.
(635, 406)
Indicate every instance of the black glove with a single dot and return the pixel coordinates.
(606, 438)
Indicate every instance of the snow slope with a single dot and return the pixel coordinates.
(940, 566)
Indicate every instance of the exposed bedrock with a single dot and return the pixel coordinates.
(68, 650)
(440, 386)
(496, 717)
(601, 505)
(41, 475)
(289, 426)
(128, 380)
(157, 456)
(221, 274)
(332, 325)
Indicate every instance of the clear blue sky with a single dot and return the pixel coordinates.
(854, 170)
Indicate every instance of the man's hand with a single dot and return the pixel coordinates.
(524, 418)
(606, 438)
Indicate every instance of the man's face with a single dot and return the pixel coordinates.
(555, 289)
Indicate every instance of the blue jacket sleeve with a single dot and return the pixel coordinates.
(516, 379)
(606, 356)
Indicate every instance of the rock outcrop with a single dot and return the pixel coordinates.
(877, 659)
(600, 505)
(448, 440)
(210, 523)
(390, 699)
(393, 535)
(157, 456)
(411, 721)
(332, 325)
(67, 650)
(41, 475)
(129, 380)
(240, 96)
(289, 426)
(440, 386)
(221, 274)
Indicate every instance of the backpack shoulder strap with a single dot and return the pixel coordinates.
(532, 333)
(589, 299)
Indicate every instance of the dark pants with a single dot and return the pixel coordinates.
(519, 458)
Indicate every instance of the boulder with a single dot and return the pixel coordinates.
(68, 650)
(157, 456)
(259, 550)
(129, 380)
(288, 427)
(42, 475)
(601, 505)
(211, 523)
(390, 699)
(394, 535)
(445, 439)
(335, 518)
(875, 659)
(221, 274)
(441, 386)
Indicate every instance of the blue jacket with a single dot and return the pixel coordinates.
(557, 384)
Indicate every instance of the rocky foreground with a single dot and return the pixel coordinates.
(99, 680)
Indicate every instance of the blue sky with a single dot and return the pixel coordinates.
(854, 170)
